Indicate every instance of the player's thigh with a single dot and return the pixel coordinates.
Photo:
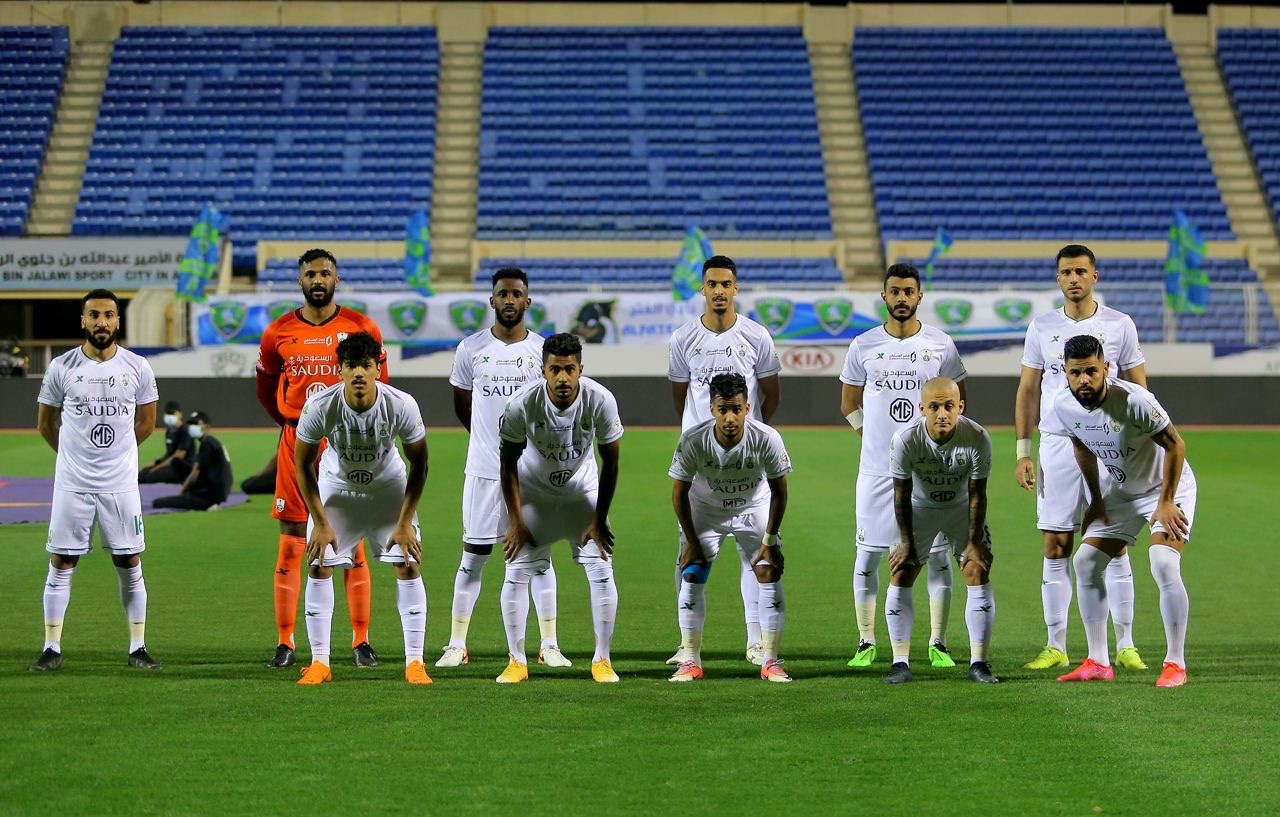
(1126, 517)
(383, 512)
(289, 506)
(552, 519)
(535, 557)
(350, 517)
(71, 517)
(1185, 499)
(120, 522)
(877, 525)
(748, 531)
(1059, 485)
(484, 513)
(933, 529)
(712, 529)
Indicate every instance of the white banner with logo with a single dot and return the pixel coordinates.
(89, 262)
(797, 317)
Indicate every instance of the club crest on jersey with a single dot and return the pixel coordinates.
(408, 315)
(535, 318)
(467, 316)
(953, 311)
(228, 317)
(354, 305)
(1013, 310)
(833, 314)
(774, 313)
(278, 308)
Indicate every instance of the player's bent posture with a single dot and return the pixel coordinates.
(1123, 426)
(363, 492)
(296, 360)
(730, 479)
(940, 465)
(721, 341)
(1059, 489)
(97, 403)
(489, 367)
(880, 389)
(553, 492)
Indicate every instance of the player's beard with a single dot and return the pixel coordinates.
(101, 344)
(911, 313)
(322, 300)
(509, 323)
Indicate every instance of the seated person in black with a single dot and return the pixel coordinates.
(210, 480)
(179, 450)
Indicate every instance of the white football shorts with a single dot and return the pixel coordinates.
(367, 515)
(1129, 515)
(484, 513)
(72, 515)
(942, 529)
(558, 518)
(875, 518)
(714, 526)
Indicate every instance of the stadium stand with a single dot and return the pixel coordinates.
(33, 63)
(1250, 60)
(293, 132)
(1034, 133)
(1136, 287)
(637, 132)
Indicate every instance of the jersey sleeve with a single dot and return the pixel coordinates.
(147, 391)
(853, 373)
(1054, 423)
(51, 387)
(1146, 413)
(952, 364)
(982, 457)
(1130, 354)
(608, 423)
(684, 464)
(411, 428)
(311, 423)
(513, 426)
(462, 376)
(270, 363)
(767, 363)
(1031, 353)
(899, 461)
(677, 365)
(775, 460)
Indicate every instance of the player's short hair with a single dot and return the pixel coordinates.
(1076, 251)
(900, 271)
(720, 262)
(562, 344)
(356, 348)
(100, 295)
(510, 273)
(315, 254)
(1082, 346)
(728, 386)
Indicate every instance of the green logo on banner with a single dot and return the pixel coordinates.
(228, 317)
(467, 316)
(535, 318)
(355, 306)
(277, 308)
(408, 315)
(774, 313)
(1013, 310)
(882, 311)
(833, 314)
(954, 311)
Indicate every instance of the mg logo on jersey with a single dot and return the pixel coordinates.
(736, 502)
(277, 308)
(833, 314)
(360, 477)
(808, 358)
(1013, 310)
(953, 311)
(1117, 474)
(315, 388)
(227, 317)
(408, 315)
(774, 313)
(942, 496)
(102, 435)
(559, 478)
(901, 410)
(467, 315)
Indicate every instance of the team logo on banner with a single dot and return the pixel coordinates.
(408, 315)
(833, 314)
(774, 313)
(355, 306)
(277, 308)
(227, 317)
(882, 311)
(467, 316)
(954, 311)
(1013, 310)
(535, 318)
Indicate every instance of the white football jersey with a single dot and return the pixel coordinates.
(697, 354)
(558, 457)
(97, 449)
(1118, 432)
(940, 473)
(492, 371)
(1048, 333)
(892, 372)
(729, 478)
(361, 453)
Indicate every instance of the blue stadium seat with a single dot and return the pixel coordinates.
(33, 62)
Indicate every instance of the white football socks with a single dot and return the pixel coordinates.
(939, 584)
(1055, 595)
(900, 615)
(1119, 578)
(1091, 591)
(57, 595)
(466, 590)
(133, 597)
(411, 601)
(542, 584)
(1166, 569)
(319, 615)
(749, 586)
(773, 612)
(979, 617)
(866, 589)
(515, 608)
(692, 616)
(604, 605)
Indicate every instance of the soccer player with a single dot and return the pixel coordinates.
(1058, 486)
(209, 483)
(940, 465)
(721, 341)
(488, 368)
(552, 492)
(879, 394)
(730, 479)
(297, 348)
(1122, 425)
(363, 492)
(179, 450)
(97, 403)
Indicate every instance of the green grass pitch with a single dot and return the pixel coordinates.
(217, 733)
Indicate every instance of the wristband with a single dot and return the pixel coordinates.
(1024, 448)
(773, 540)
(855, 418)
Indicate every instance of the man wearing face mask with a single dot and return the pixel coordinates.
(179, 450)
(209, 483)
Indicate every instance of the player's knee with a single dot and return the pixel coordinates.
(125, 560)
(696, 573)
(766, 573)
(320, 572)
(407, 572)
(479, 550)
(1057, 544)
(975, 574)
